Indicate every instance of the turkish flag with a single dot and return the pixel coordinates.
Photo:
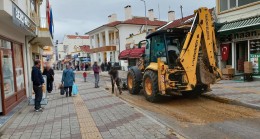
(225, 51)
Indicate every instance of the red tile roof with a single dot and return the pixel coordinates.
(112, 24)
(185, 21)
(179, 22)
(75, 37)
(142, 21)
(85, 48)
(134, 21)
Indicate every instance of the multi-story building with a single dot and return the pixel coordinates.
(108, 40)
(72, 48)
(239, 34)
(21, 34)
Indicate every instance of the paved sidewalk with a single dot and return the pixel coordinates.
(94, 113)
(240, 93)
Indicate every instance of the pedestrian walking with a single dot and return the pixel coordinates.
(68, 78)
(109, 66)
(49, 72)
(85, 76)
(115, 79)
(105, 66)
(37, 79)
(96, 70)
(86, 66)
(102, 67)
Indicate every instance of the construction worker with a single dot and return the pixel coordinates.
(115, 79)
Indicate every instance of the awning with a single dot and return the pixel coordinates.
(131, 53)
(124, 54)
(241, 24)
(137, 52)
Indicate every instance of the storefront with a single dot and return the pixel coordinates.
(16, 29)
(239, 42)
(12, 79)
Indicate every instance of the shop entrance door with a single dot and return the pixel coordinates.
(241, 55)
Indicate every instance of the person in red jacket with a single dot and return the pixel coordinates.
(85, 76)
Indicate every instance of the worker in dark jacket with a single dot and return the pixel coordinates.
(38, 81)
(115, 79)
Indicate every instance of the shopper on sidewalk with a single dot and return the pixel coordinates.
(115, 79)
(68, 78)
(48, 71)
(96, 70)
(38, 81)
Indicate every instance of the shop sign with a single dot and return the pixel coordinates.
(22, 20)
(246, 35)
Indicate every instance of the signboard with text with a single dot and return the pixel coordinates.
(22, 20)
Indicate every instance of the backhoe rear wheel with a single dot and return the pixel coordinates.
(132, 84)
(150, 86)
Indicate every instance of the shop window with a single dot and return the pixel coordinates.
(244, 2)
(255, 55)
(18, 59)
(232, 3)
(223, 5)
(7, 68)
(229, 4)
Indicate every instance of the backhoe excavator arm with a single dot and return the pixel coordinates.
(201, 35)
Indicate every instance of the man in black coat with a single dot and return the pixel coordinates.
(48, 71)
(115, 79)
(38, 81)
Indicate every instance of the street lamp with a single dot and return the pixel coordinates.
(145, 15)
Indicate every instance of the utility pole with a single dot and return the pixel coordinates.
(159, 11)
(181, 14)
(145, 15)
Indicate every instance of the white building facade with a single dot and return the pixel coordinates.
(69, 50)
(107, 41)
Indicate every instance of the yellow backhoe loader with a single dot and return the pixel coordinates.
(177, 61)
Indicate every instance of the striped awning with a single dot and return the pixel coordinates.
(250, 22)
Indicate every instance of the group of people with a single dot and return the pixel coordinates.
(82, 67)
(113, 72)
(106, 66)
(38, 82)
(68, 79)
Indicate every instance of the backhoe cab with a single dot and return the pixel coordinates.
(177, 61)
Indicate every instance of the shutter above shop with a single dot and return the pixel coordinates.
(250, 22)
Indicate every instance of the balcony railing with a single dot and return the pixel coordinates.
(41, 22)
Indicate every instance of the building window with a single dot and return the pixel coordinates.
(33, 6)
(59, 56)
(229, 4)
(7, 68)
(18, 60)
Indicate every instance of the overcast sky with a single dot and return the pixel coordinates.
(81, 16)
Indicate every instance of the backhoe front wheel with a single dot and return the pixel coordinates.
(150, 86)
(133, 84)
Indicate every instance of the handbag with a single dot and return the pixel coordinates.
(74, 89)
(62, 91)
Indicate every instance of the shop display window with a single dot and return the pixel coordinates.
(7, 68)
(18, 60)
(255, 54)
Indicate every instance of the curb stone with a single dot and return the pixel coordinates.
(230, 101)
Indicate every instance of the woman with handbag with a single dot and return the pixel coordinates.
(68, 78)
(48, 71)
